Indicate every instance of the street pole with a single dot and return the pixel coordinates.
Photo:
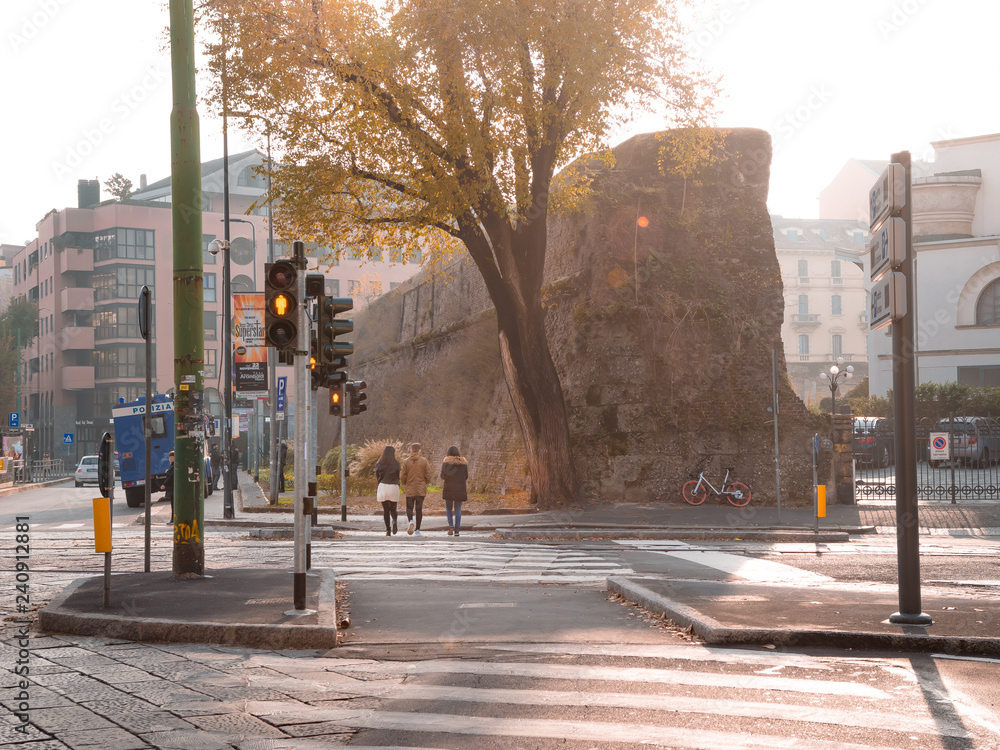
(302, 378)
(272, 373)
(227, 316)
(904, 389)
(188, 299)
(343, 451)
(145, 311)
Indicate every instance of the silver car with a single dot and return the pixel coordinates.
(975, 440)
(86, 471)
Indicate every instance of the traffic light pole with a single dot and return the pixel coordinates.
(343, 452)
(302, 379)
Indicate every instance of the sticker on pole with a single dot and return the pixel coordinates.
(940, 450)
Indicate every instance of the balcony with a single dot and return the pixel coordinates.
(78, 378)
(74, 299)
(75, 337)
(74, 259)
(808, 320)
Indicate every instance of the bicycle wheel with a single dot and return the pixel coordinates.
(738, 494)
(694, 494)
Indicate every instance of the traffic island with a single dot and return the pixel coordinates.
(248, 608)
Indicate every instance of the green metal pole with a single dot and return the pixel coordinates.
(189, 301)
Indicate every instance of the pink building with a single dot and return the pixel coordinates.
(85, 270)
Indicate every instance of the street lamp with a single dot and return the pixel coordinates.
(227, 346)
(835, 377)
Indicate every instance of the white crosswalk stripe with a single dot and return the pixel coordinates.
(462, 702)
(449, 560)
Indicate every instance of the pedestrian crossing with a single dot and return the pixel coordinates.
(621, 695)
(454, 560)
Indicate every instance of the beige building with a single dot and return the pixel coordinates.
(824, 289)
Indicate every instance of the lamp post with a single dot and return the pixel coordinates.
(227, 346)
(835, 377)
(272, 382)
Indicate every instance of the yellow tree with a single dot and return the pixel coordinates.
(438, 123)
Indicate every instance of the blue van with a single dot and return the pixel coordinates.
(130, 442)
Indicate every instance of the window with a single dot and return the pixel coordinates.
(835, 272)
(988, 306)
(118, 322)
(803, 304)
(353, 288)
(792, 234)
(859, 237)
(803, 271)
(333, 287)
(130, 244)
(979, 376)
(123, 282)
(210, 287)
(804, 344)
(835, 305)
(207, 259)
(211, 358)
(210, 325)
(123, 361)
(837, 341)
(251, 177)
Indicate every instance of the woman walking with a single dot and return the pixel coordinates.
(454, 473)
(387, 474)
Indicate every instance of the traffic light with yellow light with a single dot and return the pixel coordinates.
(281, 308)
(336, 407)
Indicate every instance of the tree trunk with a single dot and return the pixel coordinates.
(538, 402)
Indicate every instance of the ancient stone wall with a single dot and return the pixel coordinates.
(664, 303)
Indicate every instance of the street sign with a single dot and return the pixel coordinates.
(888, 300)
(888, 194)
(887, 247)
(14, 419)
(940, 450)
(28, 427)
(67, 438)
(282, 381)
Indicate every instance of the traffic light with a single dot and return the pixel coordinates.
(332, 353)
(281, 308)
(336, 409)
(316, 371)
(357, 397)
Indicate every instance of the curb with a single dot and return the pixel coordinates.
(714, 632)
(734, 535)
(54, 618)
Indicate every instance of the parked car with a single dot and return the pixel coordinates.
(86, 471)
(874, 441)
(975, 440)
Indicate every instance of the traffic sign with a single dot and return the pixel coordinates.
(940, 450)
(282, 382)
(28, 427)
(888, 300)
(888, 195)
(67, 438)
(14, 419)
(887, 247)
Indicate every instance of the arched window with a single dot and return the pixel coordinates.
(988, 306)
(249, 177)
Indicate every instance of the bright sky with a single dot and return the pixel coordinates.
(86, 90)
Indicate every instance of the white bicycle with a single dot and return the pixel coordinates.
(696, 490)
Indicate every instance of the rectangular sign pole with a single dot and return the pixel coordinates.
(904, 390)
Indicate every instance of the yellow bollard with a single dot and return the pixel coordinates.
(102, 524)
(821, 501)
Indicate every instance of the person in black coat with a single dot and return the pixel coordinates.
(454, 475)
(215, 456)
(168, 484)
(282, 460)
(387, 474)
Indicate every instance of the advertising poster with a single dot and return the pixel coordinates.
(249, 351)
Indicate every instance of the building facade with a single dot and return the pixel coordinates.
(825, 307)
(84, 271)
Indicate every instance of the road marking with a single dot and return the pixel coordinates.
(692, 652)
(751, 569)
(281, 713)
(619, 674)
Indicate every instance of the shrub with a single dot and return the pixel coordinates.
(368, 454)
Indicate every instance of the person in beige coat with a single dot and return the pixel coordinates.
(415, 475)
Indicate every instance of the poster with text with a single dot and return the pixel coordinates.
(249, 350)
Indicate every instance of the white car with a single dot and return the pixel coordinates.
(86, 471)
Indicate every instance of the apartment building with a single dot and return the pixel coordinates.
(825, 308)
(84, 271)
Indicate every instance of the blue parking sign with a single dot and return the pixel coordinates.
(14, 420)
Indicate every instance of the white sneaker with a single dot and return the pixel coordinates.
(410, 529)
(417, 532)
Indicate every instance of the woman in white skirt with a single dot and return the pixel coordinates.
(387, 474)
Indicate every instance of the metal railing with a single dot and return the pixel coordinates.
(37, 470)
